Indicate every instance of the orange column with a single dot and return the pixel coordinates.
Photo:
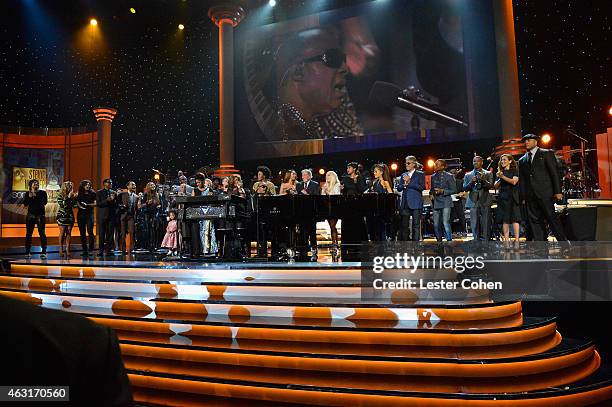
(226, 17)
(104, 116)
(604, 169)
(507, 73)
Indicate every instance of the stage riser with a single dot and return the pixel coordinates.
(252, 294)
(354, 351)
(276, 336)
(265, 365)
(195, 393)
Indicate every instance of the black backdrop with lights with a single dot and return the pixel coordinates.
(165, 85)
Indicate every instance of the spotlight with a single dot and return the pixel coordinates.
(431, 162)
(321, 171)
(181, 27)
(156, 177)
(546, 138)
(610, 111)
(132, 10)
(272, 3)
(394, 166)
(93, 21)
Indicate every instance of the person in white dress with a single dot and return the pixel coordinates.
(332, 187)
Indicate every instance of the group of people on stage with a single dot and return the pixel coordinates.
(527, 192)
(116, 216)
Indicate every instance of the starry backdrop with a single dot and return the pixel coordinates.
(54, 67)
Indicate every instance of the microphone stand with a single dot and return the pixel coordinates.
(583, 166)
(421, 107)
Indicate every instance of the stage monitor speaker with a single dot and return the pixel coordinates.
(604, 224)
(580, 224)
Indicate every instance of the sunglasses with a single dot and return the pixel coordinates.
(333, 58)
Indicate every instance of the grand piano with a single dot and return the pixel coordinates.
(276, 213)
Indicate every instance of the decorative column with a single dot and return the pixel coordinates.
(507, 71)
(104, 116)
(226, 17)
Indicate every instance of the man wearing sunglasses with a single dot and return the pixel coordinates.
(310, 71)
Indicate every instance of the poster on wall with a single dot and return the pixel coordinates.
(22, 165)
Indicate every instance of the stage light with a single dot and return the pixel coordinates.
(272, 3)
(181, 27)
(610, 111)
(156, 177)
(394, 166)
(321, 171)
(431, 162)
(546, 138)
(132, 10)
(93, 22)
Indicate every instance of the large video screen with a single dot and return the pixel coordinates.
(303, 84)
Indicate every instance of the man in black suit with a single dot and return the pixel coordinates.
(540, 187)
(309, 229)
(46, 347)
(127, 214)
(107, 205)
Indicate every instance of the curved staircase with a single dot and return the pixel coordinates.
(271, 335)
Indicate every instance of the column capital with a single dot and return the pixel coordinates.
(226, 12)
(104, 113)
(513, 146)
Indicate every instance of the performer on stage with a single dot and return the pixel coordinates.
(382, 180)
(353, 183)
(332, 187)
(208, 238)
(263, 186)
(234, 186)
(128, 203)
(411, 186)
(540, 187)
(106, 203)
(442, 187)
(308, 186)
(508, 200)
(86, 200)
(477, 184)
(170, 240)
(35, 200)
(289, 183)
(354, 229)
(382, 184)
(150, 203)
(66, 201)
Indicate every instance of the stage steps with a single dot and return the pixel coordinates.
(273, 335)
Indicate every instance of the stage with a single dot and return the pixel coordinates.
(276, 333)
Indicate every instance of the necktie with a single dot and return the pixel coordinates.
(530, 157)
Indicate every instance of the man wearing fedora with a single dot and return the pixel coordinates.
(540, 187)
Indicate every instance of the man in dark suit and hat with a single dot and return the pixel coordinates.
(540, 187)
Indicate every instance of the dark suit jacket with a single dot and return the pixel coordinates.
(106, 208)
(540, 178)
(313, 187)
(478, 196)
(124, 204)
(412, 194)
(353, 187)
(52, 347)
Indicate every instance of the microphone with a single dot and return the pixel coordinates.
(388, 94)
